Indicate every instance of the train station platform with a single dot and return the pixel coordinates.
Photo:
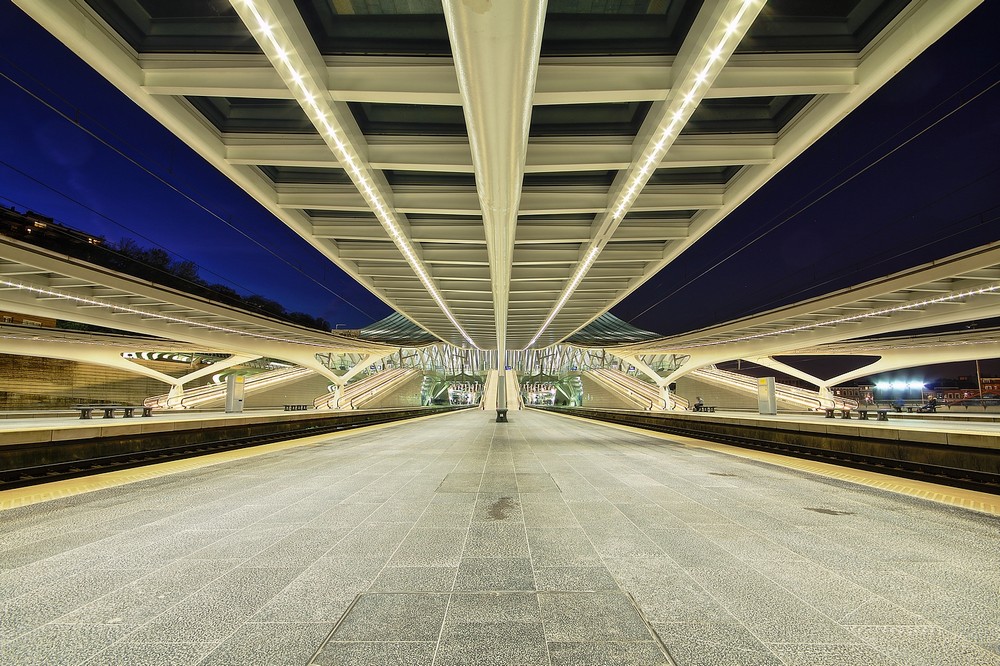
(958, 428)
(548, 540)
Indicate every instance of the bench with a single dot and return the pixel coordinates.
(845, 412)
(86, 411)
(705, 408)
(296, 408)
(883, 414)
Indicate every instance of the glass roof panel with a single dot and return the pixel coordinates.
(282, 174)
(396, 330)
(569, 179)
(409, 119)
(377, 27)
(442, 217)
(606, 119)
(712, 175)
(232, 114)
(617, 27)
(609, 330)
(572, 27)
(446, 179)
(660, 215)
(340, 215)
(561, 217)
(177, 26)
(741, 115)
(818, 26)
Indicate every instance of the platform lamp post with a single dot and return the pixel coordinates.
(502, 387)
(979, 385)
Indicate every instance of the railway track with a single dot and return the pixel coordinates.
(845, 450)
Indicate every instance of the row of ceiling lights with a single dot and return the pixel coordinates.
(315, 100)
(689, 93)
(146, 314)
(881, 312)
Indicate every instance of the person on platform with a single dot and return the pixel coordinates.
(698, 404)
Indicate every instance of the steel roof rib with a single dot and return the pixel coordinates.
(483, 194)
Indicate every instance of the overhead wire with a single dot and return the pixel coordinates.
(162, 180)
(789, 217)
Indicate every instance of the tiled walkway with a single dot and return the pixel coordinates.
(460, 541)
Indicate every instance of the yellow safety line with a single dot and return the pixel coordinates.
(17, 497)
(967, 499)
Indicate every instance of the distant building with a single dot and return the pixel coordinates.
(26, 320)
(991, 384)
(41, 230)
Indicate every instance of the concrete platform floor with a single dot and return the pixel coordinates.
(455, 540)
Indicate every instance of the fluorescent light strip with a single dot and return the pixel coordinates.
(919, 346)
(154, 315)
(679, 110)
(314, 102)
(844, 320)
(64, 341)
(578, 275)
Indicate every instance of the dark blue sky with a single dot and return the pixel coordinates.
(935, 193)
(938, 194)
(50, 165)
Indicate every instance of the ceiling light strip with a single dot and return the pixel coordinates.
(315, 101)
(684, 99)
(882, 312)
(92, 302)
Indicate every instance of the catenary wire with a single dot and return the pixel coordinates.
(817, 199)
(181, 193)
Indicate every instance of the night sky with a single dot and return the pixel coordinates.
(50, 165)
(931, 137)
(936, 195)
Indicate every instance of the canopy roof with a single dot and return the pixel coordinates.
(500, 177)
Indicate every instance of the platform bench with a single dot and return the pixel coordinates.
(845, 413)
(705, 408)
(86, 411)
(883, 414)
(296, 408)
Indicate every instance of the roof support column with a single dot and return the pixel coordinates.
(660, 382)
(774, 364)
(175, 395)
(495, 46)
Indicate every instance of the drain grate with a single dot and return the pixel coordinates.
(524, 628)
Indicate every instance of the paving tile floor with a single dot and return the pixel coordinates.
(456, 540)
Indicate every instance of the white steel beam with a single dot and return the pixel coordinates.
(547, 155)
(577, 80)
(713, 38)
(495, 47)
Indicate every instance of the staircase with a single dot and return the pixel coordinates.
(489, 400)
(634, 392)
(202, 395)
(514, 400)
(356, 394)
(790, 395)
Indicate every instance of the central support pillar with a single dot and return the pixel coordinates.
(502, 387)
